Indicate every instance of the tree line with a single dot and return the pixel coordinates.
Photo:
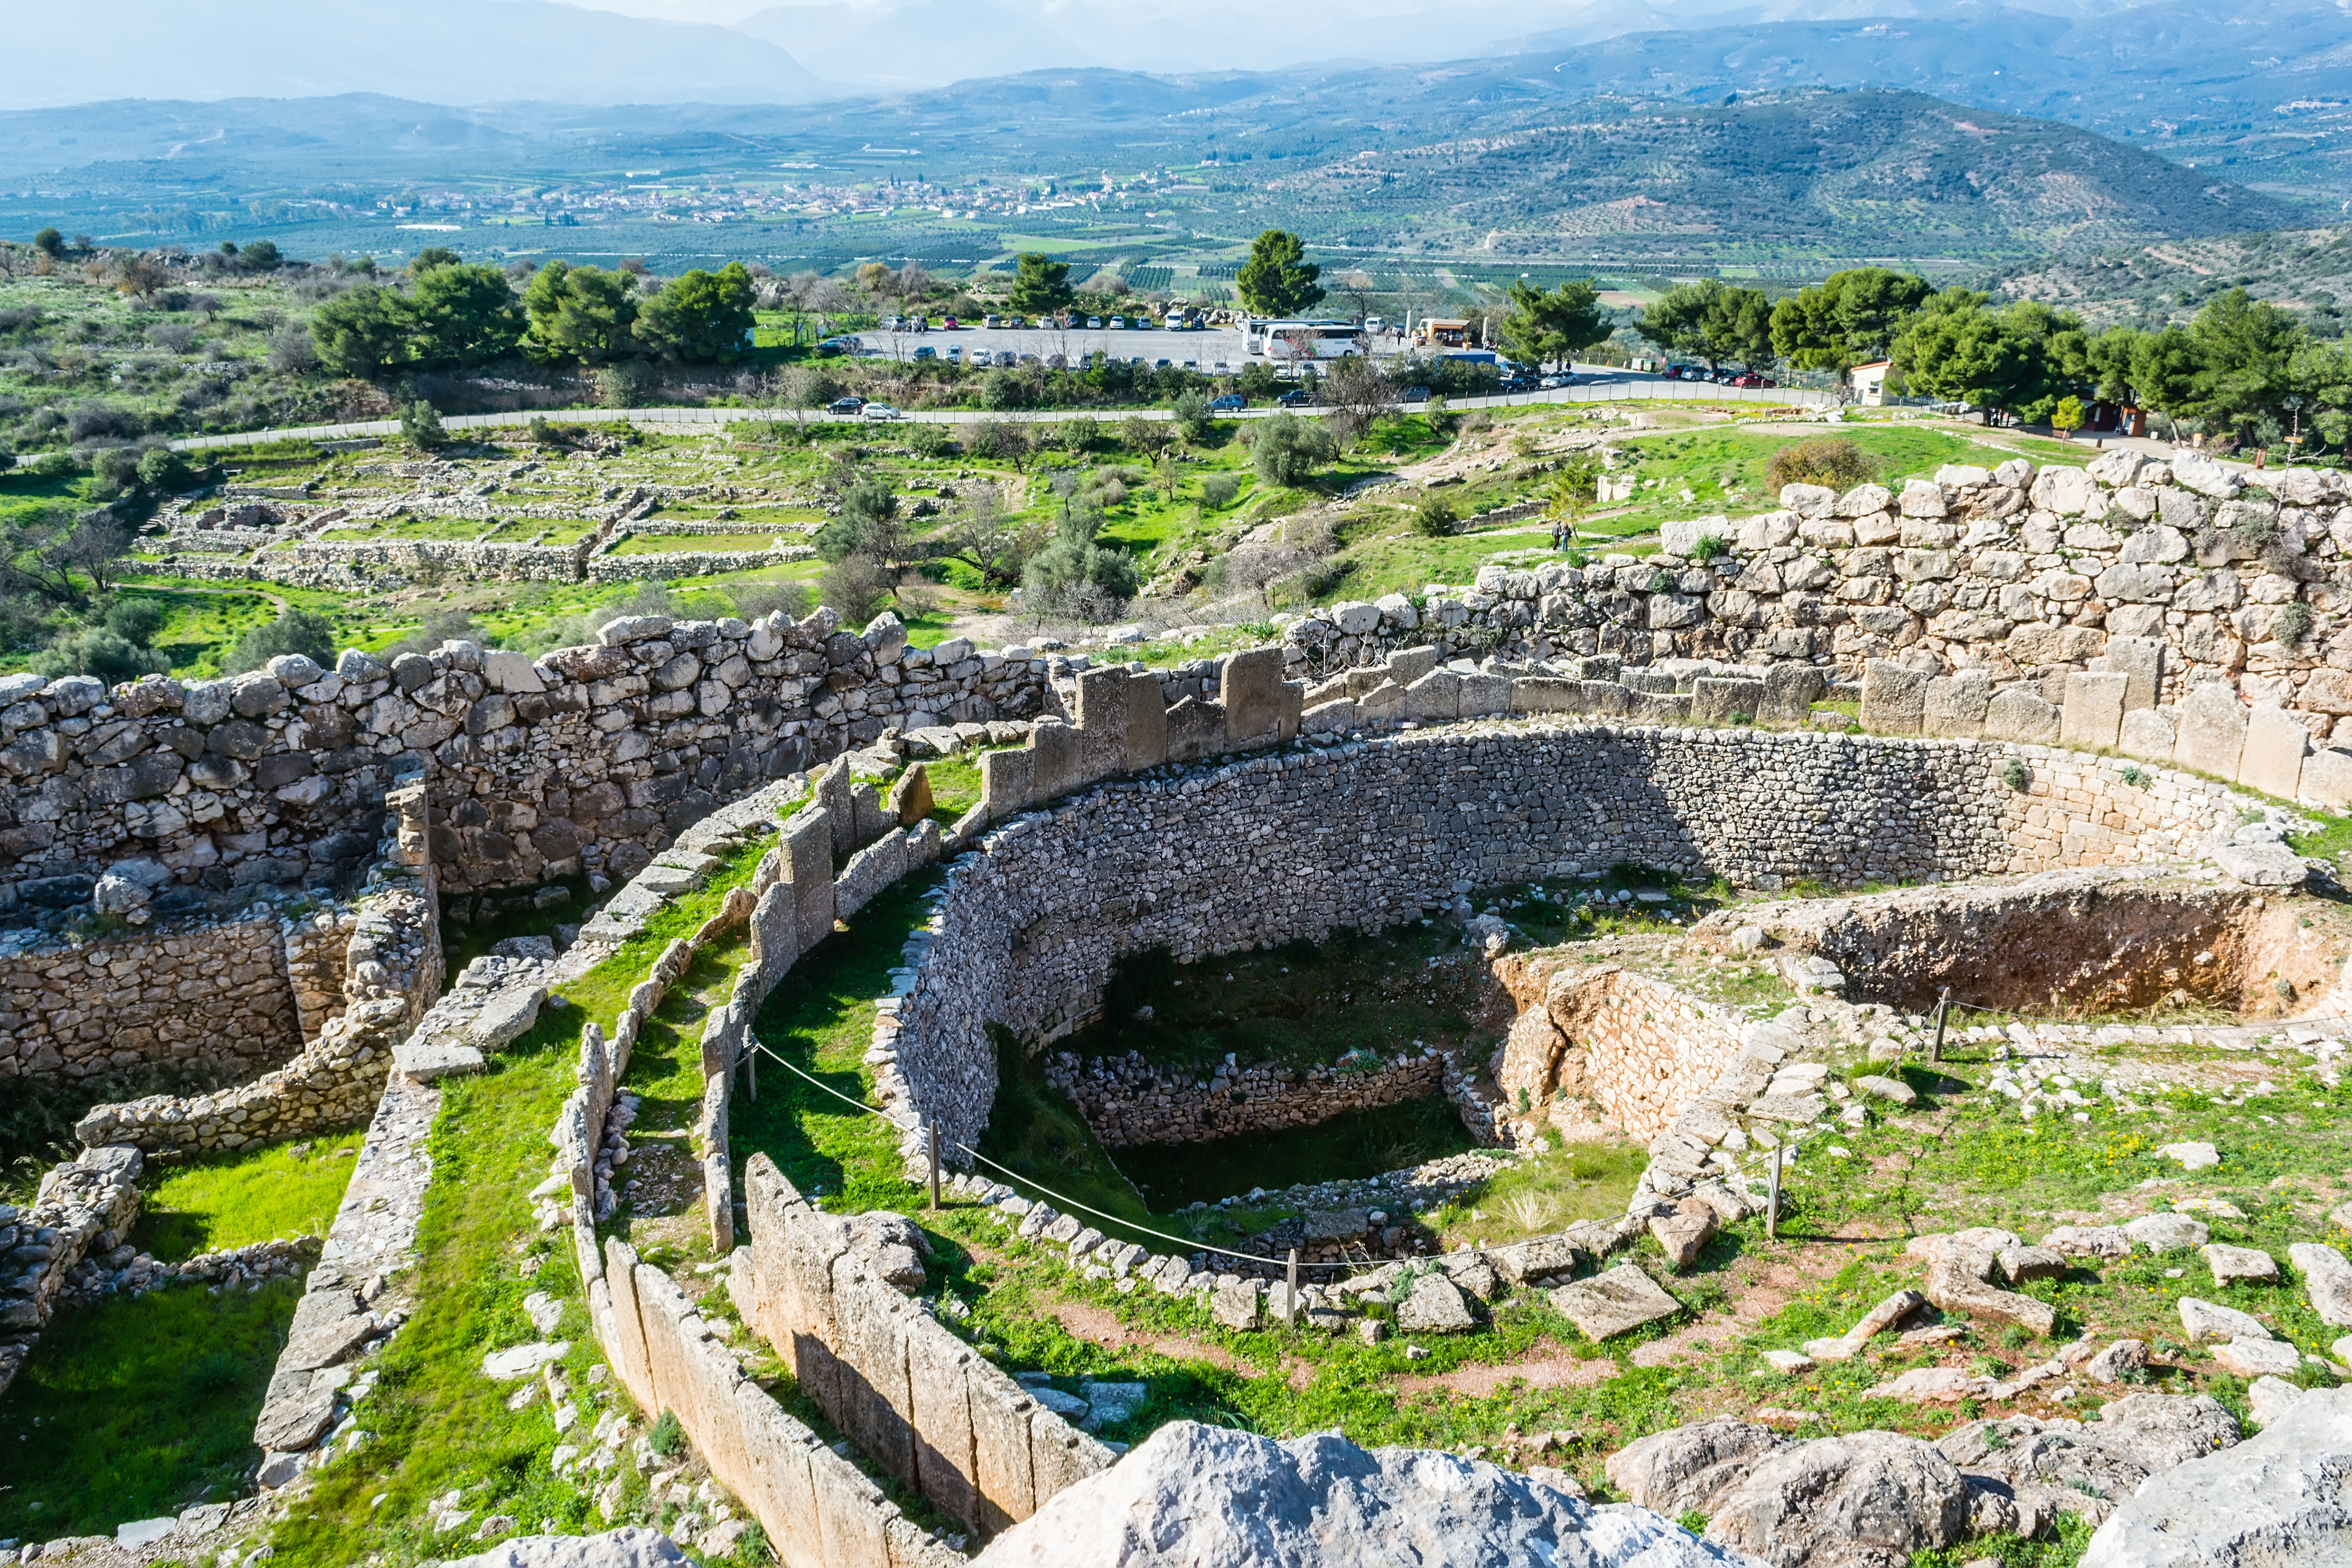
(2242, 372)
(448, 314)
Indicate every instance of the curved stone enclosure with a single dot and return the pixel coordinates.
(1296, 843)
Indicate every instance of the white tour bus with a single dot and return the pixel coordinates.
(1307, 340)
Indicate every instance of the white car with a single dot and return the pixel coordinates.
(876, 413)
(1094, 324)
(1118, 324)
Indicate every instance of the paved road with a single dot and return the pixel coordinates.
(1596, 383)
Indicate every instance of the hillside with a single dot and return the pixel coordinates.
(2308, 270)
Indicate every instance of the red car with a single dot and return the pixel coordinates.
(1749, 378)
(948, 325)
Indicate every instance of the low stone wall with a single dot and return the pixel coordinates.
(1638, 1049)
(392, 972)
(84, 1205)
(204, 997)
(611, 567)
(1128, 1102)
(1294, 844)
(370, 561)
(919, 1401)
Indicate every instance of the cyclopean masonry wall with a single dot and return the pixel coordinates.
(2024, 578)
(1289, 845)
(589, 758)
(1638, 1049)
(391, 974)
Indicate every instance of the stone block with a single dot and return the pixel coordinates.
(2328, 779)
(1483, 694)
(2140, 660)
(1103, 698)
(1893, 698)
(1715, 699)
(1658, 707)
(2211, 731)
(2148, 734)
(1956, 704)
(1293, 702)
(1195, 730)
(1334, 718)
(1056, 761)
(836, 792)
(1789, 692)
(1435, 698)
(1615, 1302)
(1250, 687)
(1007, 782)
(946, 1459)
(2094, 714)
(2272, 761)
(808, 868)
(1000, 1420)
(1545, 694)
(1147, 722)
(1407, 665)
(1604, 697)
(2019, 715)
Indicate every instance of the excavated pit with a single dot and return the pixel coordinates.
(2074, 944)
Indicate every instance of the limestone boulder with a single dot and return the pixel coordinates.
(635, 1547)
(1684, 1470)
(1197, 1494)
(1867, 1499)
(2280, 1499)
(2327, 1279)
(1435, 1306)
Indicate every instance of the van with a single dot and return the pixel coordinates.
(991, 320)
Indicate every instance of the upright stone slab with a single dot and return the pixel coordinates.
(777, 1449)
(1103, 697)
(1000, 1421)
(1658, 707)
(946, 1465)
(1146, 721)
(1789, 692)
(2140, 660)
(1893, 698)
(2328, 779)
(1292, 703)
(910, 798)
(2094, 714)
(1956, 704)
(834, 794)
(1195, 730)
(1008, 781)
(1604, 696)
(1545, 694)
(2273, 759)
(2021, 715)
(1482, 694)
(628, 1350)
(1435, 698)
(808, 870)
(2148, 734)
(1250, 687)
(2212, 731)
(1718, 699)
(1056, 760)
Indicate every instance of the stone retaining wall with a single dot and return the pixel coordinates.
(589, 759)
(1127, 1102)
(214, 999)
(615, 568)
(391, 974)
(1294, 844)
(84, 1205)
(2024, 578)
(1638, 1049)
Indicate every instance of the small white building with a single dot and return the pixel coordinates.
(1870, 383)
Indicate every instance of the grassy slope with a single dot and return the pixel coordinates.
(213, 1203)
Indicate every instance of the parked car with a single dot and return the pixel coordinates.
(1231, 402)
(1747, 378)
(1159, 364)
(1374, 324)
(1296, 397)
(1175, 322)
(1093, 323)
(1416, 394)
(1006, 359)
(927, 352)
(876, 413)
(955, 354)
(992, 321)
(1118, 324)
(950, 324)
(846, 407)
(1222, 369)
(837, 346)
(1554, 382)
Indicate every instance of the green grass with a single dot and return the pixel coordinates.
(138, 1408)
(213, 1203)
(692, 543)
(1539, 1195)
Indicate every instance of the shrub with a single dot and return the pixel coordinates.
(1219, 489)
(2135, 776)
(55, 466)
(854, 587)
(294, 631)
(2015, 776)
(1287, 449)
(1081, 435)
(420, 424)
(931, 441)
(754, 600)
(1433, 516)
(161, 469)
(1708, 547)
(2294, 623)
(1831, 461)
(667, 1435)
(116, 468)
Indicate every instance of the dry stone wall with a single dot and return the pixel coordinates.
(1636, 1047)
(2021, 578)
(590, 759)
(212, 999)
(1128, 1101)
(1293, 844)
(84, 1205)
